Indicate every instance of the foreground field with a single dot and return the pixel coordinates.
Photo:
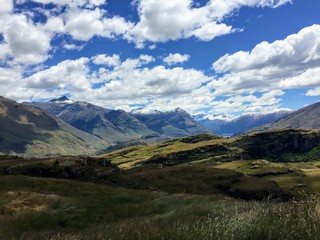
(262, 186)
(35, 208)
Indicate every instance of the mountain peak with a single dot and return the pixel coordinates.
(62, 99)
(179, 110)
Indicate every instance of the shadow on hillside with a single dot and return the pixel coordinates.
(21, 126)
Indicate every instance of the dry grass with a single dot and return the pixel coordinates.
(242, 221)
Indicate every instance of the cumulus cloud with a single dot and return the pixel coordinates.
(268, 102)
(6, 7)
(285, 64)
(173, 59)
(30, 44)
(84, 24)
(71, 74)
(128, 83)
(8, 76)
(73, 46)
(55, 24)
(73, 3)
(159, 21)
(135, 81)
(110, 61)
(165, 20)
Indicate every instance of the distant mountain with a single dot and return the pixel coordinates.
(176, 123)
(112, 125)
(305, 118)
(25, 130)
(228, 127)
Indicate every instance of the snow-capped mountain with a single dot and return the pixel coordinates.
(175, 123)
(227, 126)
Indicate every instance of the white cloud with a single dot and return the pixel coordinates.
(73, 3)
(71, 74)
(30, 44)
(6, 7)
(268, 102)
(8, 76)
(4, 52)
(165, 20)
(73, 46)
(134, 81)
(54, 24)
(284, 64)
(211, 30)
(130, 82)
(173, 59)
(110, 61)
(309, 78)
(221, 9)
(84, 24)
(159, 21)
(313, 92)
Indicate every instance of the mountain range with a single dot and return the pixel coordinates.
(176, 123)
(305, 118)
(118, 125)
(111, 125)
(30, 131)
(225, 126)
(66, 127)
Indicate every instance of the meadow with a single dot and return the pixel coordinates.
(37, 208)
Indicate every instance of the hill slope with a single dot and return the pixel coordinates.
(26, 130)
(279, 146)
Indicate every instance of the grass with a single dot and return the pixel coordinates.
(37, 208)
(277, 146)
(298, 178)
(76, 211)
(134, 156)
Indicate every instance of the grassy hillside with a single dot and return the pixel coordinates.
(278, 146)
(288, 157)
(197, 187)
(35, 208)
(200, 179)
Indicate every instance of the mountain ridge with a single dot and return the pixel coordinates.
(240, 124)
(304, 118)
(29, 131)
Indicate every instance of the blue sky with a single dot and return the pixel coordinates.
(219, 57)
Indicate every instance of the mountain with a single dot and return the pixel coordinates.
(26, 130)
(111, 125)
(228, 127)
(305, 118)
(176, 123)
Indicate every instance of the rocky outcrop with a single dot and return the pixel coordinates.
(276, 143)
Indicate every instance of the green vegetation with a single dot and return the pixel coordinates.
(33, 208)
(198, 187)
(277, 146)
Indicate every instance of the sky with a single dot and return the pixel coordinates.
(217, 57)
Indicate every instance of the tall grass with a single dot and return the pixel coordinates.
(294, 220)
